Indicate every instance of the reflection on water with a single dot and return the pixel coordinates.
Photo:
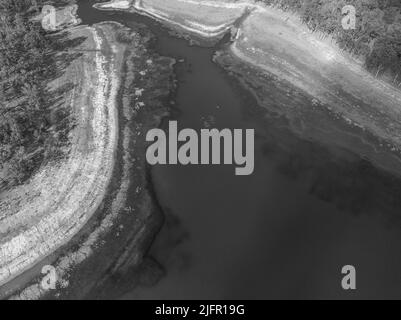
(283, 232)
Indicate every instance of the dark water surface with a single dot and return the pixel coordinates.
(285, 231)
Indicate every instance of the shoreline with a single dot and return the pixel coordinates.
(138, 217)
(66, 17)
(84, 177)
(128, 219)
(113, 84)
(276, 42)
(212, 32)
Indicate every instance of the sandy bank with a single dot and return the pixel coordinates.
(116, 239)
(41, 216)
(213, 21)
(288, 50)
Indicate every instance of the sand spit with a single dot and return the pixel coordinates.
(41, 216)
(116, 4)
(220, 17)
(289, 51)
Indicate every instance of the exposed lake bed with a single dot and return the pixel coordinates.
(324, 193)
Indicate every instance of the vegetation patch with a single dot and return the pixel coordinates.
(31, 129)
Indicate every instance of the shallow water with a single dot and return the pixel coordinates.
(285, 231)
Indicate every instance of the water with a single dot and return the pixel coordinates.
(283, 232)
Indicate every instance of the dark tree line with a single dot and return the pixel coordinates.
(376, 39)
(25, 65)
